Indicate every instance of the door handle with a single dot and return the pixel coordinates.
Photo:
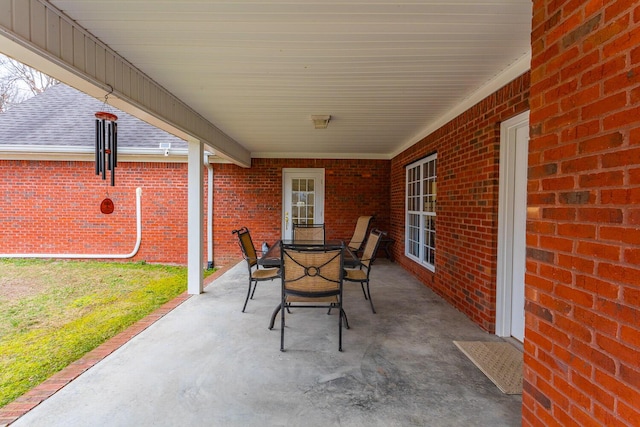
(286, 221)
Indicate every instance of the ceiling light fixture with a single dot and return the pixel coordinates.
(320, 122)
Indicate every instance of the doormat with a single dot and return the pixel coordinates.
(501, 362)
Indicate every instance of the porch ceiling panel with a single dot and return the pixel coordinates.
(384, 71)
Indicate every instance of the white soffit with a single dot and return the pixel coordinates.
(386, 72)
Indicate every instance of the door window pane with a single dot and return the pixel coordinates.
(303, 200)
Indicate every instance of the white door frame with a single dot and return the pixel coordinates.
(504, 268)
(318, 173)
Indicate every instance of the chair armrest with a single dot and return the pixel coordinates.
(358, 265)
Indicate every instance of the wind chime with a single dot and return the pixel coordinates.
(106, 151)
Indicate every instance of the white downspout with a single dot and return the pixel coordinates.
(96, 256)
(209, 212)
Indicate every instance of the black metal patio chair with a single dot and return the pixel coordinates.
(312, 278)
(256, 273)
(359, 233)
(363, 271)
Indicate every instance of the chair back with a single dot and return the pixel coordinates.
(369, 254)
(312, 272)
(246, 246)
(308, 232)
(360, 233)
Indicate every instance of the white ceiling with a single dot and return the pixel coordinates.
(387, 72)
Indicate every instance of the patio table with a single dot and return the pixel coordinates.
(272, 257)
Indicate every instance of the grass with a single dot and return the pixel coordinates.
(53, 312)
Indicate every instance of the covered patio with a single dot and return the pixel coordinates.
(405, 87)
(205, 363)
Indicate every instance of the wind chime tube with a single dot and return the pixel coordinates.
(108, 147)
(97, 153)
(112, 148)
(104, 150)
(99, 147)
(115, 144)
(114, 152)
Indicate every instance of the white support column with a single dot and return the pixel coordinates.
(209, 212)
(195, 218)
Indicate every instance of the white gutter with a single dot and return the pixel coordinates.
(72, 149)
(96, 256)
(68, 153)
(126, 154)
(209, 212)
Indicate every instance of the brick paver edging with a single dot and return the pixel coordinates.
(23, 404)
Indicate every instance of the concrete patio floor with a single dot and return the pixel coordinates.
(207, 364)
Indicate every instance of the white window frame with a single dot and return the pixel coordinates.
(420, 207)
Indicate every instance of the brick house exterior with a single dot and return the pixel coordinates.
(582, 337)
(53, 207)
(50, 197)
(468, 150)
(253, 197)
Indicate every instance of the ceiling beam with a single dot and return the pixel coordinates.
(36, 33)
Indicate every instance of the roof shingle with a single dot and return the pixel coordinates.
(64, 116)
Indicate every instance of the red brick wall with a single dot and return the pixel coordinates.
(467, 206)
(54, 207)
(582, 346)
(252, 197)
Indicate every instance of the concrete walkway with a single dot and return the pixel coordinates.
(207, 364)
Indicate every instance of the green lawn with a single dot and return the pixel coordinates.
(53, 312)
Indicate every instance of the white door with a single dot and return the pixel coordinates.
(303, 198)
(518, 256)
(512, 222)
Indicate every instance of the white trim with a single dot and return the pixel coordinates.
(503, 291)
(73, 153)
(289, 155)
